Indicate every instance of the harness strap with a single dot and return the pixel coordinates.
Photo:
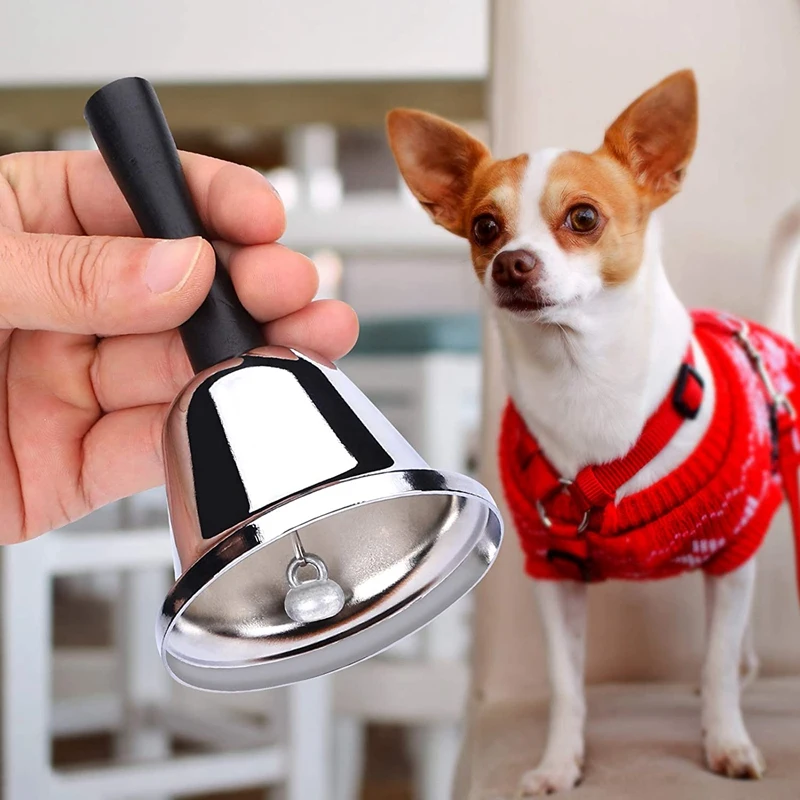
(596, 486)
(593, 492)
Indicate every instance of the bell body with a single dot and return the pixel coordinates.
(276, 442)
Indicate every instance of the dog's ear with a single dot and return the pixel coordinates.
(437, 160)
(655, 136)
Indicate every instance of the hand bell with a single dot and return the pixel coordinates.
(307, 534)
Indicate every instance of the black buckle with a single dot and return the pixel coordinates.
(580, 563)
(687, 372)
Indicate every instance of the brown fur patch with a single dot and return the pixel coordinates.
(438, 160)
(602, 182)
(455, 178)
(495, 190)
(655, 136)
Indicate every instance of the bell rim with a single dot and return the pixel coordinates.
(385, 486)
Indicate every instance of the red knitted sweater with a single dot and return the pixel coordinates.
(711, 512)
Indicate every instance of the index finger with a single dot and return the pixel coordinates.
(74, 193)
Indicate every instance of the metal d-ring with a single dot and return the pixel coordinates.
(548, 523)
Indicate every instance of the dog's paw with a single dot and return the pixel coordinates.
(551, 777)
(735, 758)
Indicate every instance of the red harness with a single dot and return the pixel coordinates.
(712, 512)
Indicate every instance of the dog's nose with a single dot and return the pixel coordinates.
(514, 267)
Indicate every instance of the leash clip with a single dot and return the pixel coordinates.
(546, 521)
(778, 400)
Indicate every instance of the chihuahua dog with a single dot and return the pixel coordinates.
(595, 343)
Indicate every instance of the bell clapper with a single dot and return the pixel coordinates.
(314, 599)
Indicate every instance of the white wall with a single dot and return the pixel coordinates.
(91, 41)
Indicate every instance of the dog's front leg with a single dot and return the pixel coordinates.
(562, 605)
(729, 749)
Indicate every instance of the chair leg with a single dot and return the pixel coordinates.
(349, 756)
(436, 753)
(144, 683)
(436, 746)
(26, 660)
(309, 728)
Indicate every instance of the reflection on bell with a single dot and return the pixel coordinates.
(277, 442)
(308, 534)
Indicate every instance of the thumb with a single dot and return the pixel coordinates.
(101, 285)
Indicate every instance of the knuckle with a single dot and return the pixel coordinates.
(78, 272)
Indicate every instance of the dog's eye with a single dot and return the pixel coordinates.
(582, 218)
(485, 229)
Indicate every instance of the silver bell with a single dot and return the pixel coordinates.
(268, 448)
(276, 446)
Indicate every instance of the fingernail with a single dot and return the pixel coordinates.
(171, 263)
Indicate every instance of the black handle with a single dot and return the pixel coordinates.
(128, 124)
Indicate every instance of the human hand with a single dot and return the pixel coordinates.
(90, 357)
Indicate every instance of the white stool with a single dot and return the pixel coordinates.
(293, 754)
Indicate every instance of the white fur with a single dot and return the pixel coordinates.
(585, 375)
(562, 606)
(729, 749)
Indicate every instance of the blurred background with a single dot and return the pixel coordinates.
(299, 91)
